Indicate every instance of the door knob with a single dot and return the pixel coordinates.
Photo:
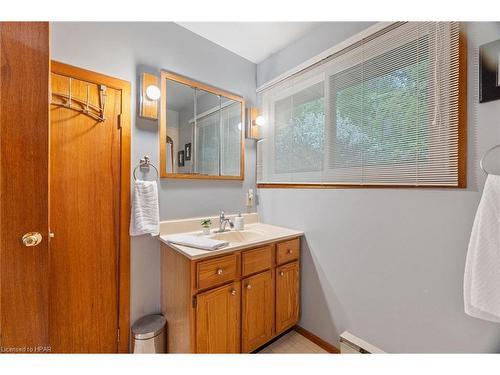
(249, 286)
(219, 271)
(31, 239)
(233, 292)
(282, 273)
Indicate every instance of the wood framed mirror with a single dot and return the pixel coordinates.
(201, 131)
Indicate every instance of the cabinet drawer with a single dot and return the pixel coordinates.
(288, 251)
(257, 260)
(216, 271)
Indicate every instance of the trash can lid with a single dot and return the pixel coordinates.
(148, 326)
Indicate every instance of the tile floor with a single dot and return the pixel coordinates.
(293, 342)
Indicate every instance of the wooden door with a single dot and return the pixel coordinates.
(24, 120)
(257, 310)
(218, 320)
(287, 296)
(86, 214)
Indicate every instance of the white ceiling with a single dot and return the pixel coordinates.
(255, 41)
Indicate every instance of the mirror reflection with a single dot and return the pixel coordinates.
(202, 131)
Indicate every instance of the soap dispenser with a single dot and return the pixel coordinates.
(239, 223)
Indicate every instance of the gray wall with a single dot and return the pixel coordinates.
(387, 264)
(120, 50)
(322, 37)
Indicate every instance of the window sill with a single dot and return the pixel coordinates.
(354, 186)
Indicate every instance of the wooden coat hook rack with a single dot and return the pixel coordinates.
(82, 105)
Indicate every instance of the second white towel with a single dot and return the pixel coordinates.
(482, 276)
(197, 242)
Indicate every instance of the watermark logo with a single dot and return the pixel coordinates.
(25, 349)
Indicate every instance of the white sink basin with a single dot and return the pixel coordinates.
(237, 236)
(254, 235)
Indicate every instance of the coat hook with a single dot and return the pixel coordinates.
(69, 96)
(87, 103)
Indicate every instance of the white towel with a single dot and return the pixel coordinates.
(197, 242)
(482, 268)
(145, 216)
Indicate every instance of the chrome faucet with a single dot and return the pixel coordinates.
(222, 223)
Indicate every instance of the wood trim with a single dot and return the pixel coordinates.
(190, 82)
(317, 340)
(462, 108)
(348, 186)
(124, 252)
(125, 201)
(164, 75)
(163, 126)
(187, 176)
(90, 76)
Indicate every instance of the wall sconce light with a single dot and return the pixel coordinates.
(259, 120)
(150, 93)
(153, 92)
(253, 123)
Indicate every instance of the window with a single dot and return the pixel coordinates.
(300, 130)
(382, 112)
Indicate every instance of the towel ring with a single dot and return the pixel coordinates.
(145, 163)
(481, 164)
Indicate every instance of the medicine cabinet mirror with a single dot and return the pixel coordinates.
(201, 131)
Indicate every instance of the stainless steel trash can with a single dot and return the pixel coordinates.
(149, 334)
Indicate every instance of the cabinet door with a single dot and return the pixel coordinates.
(218, 320)
(258, 310)
(287, 296)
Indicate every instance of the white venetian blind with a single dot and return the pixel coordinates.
(381, 112)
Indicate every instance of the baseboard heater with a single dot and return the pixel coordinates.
(350, 344)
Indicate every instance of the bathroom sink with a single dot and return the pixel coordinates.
(237, 236)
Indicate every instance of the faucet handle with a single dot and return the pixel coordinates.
(221, 216)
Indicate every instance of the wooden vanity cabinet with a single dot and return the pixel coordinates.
(257, 301)
(218, 320)
(287, 296)
(233, 302)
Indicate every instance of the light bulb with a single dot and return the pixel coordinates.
(153, 92)
(260, 121)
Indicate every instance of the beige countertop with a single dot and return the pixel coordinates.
(253, 235)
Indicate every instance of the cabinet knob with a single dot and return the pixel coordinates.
(233, 292)
(219, 271)
(290, 251)
(282, 273)
(249, 286)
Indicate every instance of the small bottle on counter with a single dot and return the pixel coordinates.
(239, 222)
